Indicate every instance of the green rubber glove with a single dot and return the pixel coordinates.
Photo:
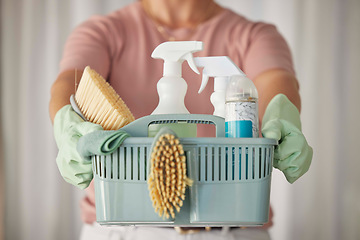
(68, 128)
(281, 121)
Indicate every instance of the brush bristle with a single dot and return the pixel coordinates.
(99, 102)
(167, 179)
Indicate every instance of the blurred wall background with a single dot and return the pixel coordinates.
(324, 37)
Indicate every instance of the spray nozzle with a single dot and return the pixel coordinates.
(174, 53)
(221, 68)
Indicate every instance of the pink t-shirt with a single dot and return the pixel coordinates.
(119, 47)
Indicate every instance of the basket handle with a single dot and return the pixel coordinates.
(139, 127)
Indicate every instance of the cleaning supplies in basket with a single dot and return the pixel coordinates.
(241, 197)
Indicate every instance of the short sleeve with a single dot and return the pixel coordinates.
(266, 49)
(90, 44)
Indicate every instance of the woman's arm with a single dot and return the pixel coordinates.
(62, 89)
(274, 81)
(269, 84)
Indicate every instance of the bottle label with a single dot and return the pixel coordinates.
(237, 129)
(241, 119)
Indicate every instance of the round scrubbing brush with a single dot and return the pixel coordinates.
(167, 179)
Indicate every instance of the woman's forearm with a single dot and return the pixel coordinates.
(273, 82)
(62, 89)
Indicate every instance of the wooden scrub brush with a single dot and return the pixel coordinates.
(99, 102)
(167, 179)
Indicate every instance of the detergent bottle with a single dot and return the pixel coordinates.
(221, 68)
(172, 87)
(241, 108)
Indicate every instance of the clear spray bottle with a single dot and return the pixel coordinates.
(241, 108)
(241, 120)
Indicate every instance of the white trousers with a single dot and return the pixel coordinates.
(97, 232)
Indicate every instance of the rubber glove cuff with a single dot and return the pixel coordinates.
(281, 121)
(68, 128)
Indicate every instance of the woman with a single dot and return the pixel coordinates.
(119, 46)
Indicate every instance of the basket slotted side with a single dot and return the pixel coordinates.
(121, 192)
(231, 183)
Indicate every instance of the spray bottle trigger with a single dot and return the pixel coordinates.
(204, 81)
(189, 58)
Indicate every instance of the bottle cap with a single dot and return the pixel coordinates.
(241, 88)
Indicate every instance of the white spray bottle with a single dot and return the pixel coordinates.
(221, 68)
(172, 87)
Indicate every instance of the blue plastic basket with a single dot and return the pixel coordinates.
(231, 178)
